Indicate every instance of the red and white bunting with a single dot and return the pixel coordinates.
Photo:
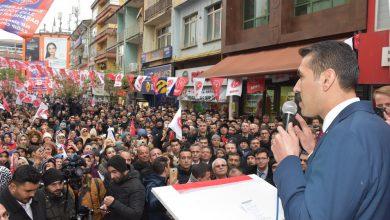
(171, 81)
(216, 84)
(138, 83)
(118, 80)
(198, 86)
(234, 87)
(180, 84)
(176, 124)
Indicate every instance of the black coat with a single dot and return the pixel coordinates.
(183, 176)
(16, 211)
(129, 197)
(154, 209)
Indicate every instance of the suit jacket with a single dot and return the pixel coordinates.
(348, 172)
(16, 211)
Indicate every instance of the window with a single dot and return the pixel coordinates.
(256, 13)
(190, 30)
(382, 15)
(303, 7)
(214, 22)
(164, 37)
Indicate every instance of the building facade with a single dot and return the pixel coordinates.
(11, 49)
(196, 43)
(79, 53)
(103, 34)
(261, 39)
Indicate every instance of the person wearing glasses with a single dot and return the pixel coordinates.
(264, 171)
(382, 101)
(220, 168)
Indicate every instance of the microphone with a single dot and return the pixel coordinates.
(289, 110)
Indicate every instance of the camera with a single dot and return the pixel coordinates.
(73, 170)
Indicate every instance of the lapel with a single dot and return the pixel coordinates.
(14, 207)
(345, 113)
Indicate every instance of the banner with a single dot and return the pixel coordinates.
(198, 86)
(22, 17)
(234, 87)
(255, 85)
(180, 84)
(32, 49)
(118, 80)
(42, 111)
(138, 82)
(176, 124)
(56, 52)
(216, 84)
(171, 81)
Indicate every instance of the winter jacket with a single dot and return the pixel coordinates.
(91, 195)
(154, 209)
(129, 195)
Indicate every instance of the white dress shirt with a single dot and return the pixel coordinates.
(332, 114)
(27, 208)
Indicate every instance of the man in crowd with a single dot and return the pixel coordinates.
(19, 198)
(220, 168)
(59, 201)
(264, 170)
(184, 168)
(195, 150)
(125, 194)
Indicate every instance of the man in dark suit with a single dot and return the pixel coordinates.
(348, 169)
(19, 198)
(263, 169)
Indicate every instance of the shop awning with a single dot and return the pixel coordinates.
(259, 63)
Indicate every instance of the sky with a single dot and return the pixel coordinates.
(64, 6)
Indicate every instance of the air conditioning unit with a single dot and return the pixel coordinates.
(133, 67)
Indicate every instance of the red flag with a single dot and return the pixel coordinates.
(92, 77)
(42, 112)
(133, 131)
(93, 102)
(111, 76)
(176, 124)
(154, 79)
(130, 79)
(255, 85)
(6, 105)
(356, 41)
(180, 84)
(216, 84)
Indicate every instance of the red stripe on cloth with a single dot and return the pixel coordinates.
(190, 186)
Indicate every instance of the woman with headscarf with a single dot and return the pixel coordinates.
(5, 177)
(7, 143)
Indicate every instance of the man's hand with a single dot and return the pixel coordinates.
(306, 137)
(108, 200)
(285, 144)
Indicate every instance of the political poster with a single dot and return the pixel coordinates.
(55, 52)
(32, 49)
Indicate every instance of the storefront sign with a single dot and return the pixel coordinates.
(207, 95)
(193, 73)
(255, 85)
(234, 87)
(160, 54)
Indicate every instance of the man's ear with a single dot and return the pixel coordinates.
(327, 79)
(12, 187)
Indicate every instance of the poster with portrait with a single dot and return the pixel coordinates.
(32, 49)
(55, 52)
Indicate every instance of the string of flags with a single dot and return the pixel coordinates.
(40, 79)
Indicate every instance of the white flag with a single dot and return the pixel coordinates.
(42, 111)
(176, 124)
(100, 75)
(198, 86)
(138, 83)
(110, 133)
(234, 87)
(171, 81)
(118, 80)
(1, 106)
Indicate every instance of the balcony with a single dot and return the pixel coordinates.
(104, 55)
(157, 10)
(107, 11)
(98, 2)
(102, 36)
(111, 42)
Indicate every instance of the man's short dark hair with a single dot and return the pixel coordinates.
(173, 141)
(232, 154)
(335, 55)
(26, 173)
(262, 150)
(159, 165)
(199, 170)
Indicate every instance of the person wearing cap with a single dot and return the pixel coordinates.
(126, 194)
(59, 201)
(47, 138)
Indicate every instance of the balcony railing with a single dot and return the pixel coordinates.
(157, 8)
(131, 32)
(119, 36)
(106, 32)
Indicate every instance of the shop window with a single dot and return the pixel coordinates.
(190, 30)
(214, 22)
(256, 13)
(163, 37)
(303, 7)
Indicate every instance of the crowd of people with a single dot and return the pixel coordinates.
(103, 161)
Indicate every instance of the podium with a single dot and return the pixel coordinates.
(237, 198)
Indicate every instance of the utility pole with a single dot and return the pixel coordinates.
(60, 18)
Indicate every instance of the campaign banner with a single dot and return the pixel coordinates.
(234, 87)
(55, 51)
(22, 17)
(32, 49)
(255, 85)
